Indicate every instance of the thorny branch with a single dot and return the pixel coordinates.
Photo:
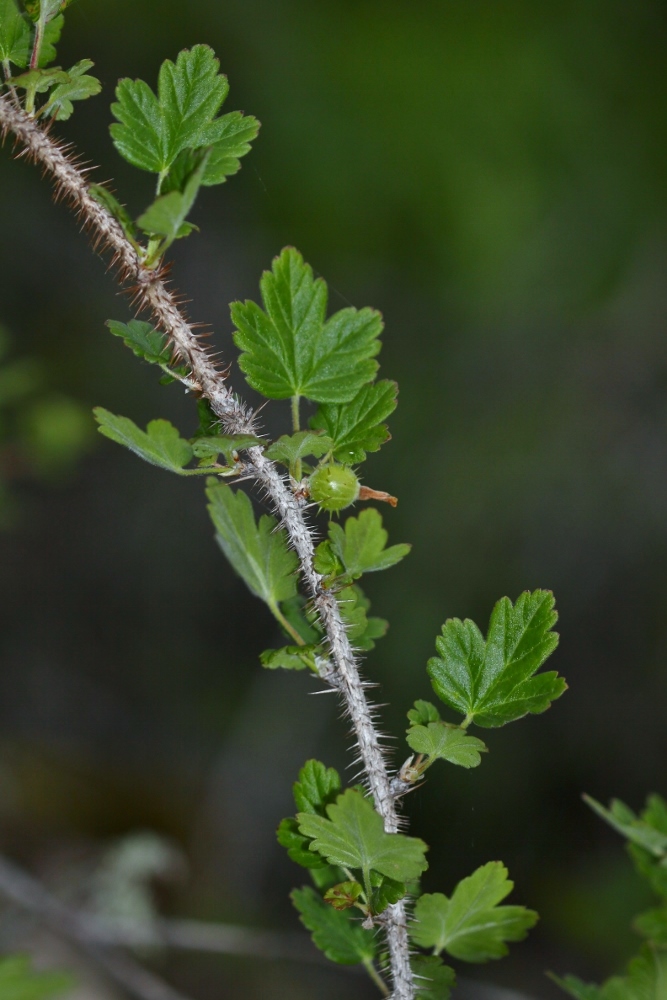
(152, 294)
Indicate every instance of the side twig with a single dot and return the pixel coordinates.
(152, 294)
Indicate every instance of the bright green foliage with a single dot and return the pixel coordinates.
(357, 426)
(160, 444)
(649, 833)
(290, 349)
(289, 448)
(339, 935)
(166, 216)
(434, 981)
(343, 895)
(19, 982)
(386, 892)
(646, 980)
(423, 713)
(318, 787)
(333, 487)
(439, 741)
(471, 925)
(208, 448)
(363, 631)
(15, 35)
(297, 845)
(77, 86)
(288, 658)
(492, 682)
(52, 31)
(353, 837)
(257, 551)
(143, 340)
(359, 547)
(154, 130)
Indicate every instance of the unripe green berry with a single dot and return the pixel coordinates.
(334, 487)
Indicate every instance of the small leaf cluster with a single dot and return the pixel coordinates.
(18, 981)
(178, 135)
(646, 836)
(359, 870)
(28, 39)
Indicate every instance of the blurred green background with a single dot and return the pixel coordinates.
(492, 177)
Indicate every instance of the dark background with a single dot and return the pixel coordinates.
(491, 176)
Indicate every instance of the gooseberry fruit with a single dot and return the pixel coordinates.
(333, 487)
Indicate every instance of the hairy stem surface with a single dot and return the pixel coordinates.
(208, 380)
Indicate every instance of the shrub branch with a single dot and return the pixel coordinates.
(209, 380)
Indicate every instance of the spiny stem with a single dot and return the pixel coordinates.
(152, 294)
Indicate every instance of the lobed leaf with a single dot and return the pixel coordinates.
(166, 216)
(208, 448)
(353, 836)
(343, 895)
(652, 924)
(360, 546)
(288, 658)
(439, 741)
(152, 130)
(50, 39)
(143, 340)
(318, 787)
(77, 87)
(339, 935)
(363, 631)
(15, 35)
(492, 682)
(289, 448)
(645, 980)
(471, 925)
(388, 891)
(357, 427)
(423, 713)
(433, 980)
(291, 349)
(257, 551)
(297, 845)
(643, 832)
(160, 444)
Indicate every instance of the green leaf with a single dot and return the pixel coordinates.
(160, 444)
(339, 935)
(637, 830)
(492, 682)
(289, 448)
(291, 350)
(438, 740)
(143, 340)
(423, 713)
(357, 427)
(360, 546)
(434, 981)
(208, 448)
(105, 198)
(288, 658)
(77, 87)
(361, 629)
(52, 33)
(387, 892)
(298, 846)
(318, 787)
(353, 836)
(343, 895)
(471, 926)
(15, 35)
(646, 978)
(166, 216)
(257, 551)
(40, 80)
(19, 982)
(154, 130)
(577, 988)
